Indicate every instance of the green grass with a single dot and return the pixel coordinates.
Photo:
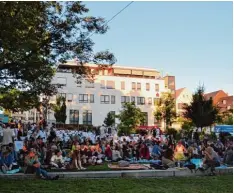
(217, 184)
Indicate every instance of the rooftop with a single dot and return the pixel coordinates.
(74, 63)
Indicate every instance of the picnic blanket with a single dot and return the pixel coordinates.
(130, 167)
(12, 171)
(146, 161)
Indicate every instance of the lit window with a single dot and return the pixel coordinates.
(133, 86)
(147, 86)
(156, 87)
(110, 84)
(149, 101)
(138, 86)
(122, 85)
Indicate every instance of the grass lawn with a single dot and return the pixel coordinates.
(219, 184)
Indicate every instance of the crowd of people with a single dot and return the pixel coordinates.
(44, 148)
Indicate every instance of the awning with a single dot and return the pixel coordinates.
(223, 128)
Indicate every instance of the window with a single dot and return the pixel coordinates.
(133, 99)
(112, 99)
(89, 83)
(69, 97)
(224, 102)
(83, 98)
(133, 86)
(149, 101)
(110, 84)
(62, 81)
(156, 87)
(145, 119)
(105, 99)
(87, 117)
(125, 99)
(140, 100)
(74, 117)
(122, 85)
(147, 86)
(156, 101)
(103, 84)
(138, 86)
(91, 98)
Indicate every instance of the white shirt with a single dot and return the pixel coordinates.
(8, 134)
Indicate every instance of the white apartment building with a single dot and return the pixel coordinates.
(89, 102)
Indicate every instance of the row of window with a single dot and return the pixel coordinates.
(140, 100)
(109, 84)
(110, 99)
(87, 117)
(74, 117)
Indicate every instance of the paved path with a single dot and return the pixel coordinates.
(171, 172)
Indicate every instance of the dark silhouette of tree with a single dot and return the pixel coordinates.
(109, 120)
(60, 110)
(201, 112)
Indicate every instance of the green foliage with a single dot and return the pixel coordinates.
(110, 119)
(35, 37)
(60, 110)
(165, 109)
(201, 112)
(226, 118)
(130, 118)
(16, 100)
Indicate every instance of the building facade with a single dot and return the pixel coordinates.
(88, 102)
(183, 96)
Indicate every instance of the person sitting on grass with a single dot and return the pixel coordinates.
(116, 154)
(156, 151)
(76, 159)
(6, 161)
(211, 160)
(108, 153)
(144, 152)
(57, 160)
(179, 152)
(33, 164)
(167, 157)
(228, 156)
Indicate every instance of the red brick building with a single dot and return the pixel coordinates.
(221, 100)
(216, 96)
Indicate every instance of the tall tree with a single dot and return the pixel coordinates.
(109, 120)
(60, 110)
(35, 36)
(130, 118)
(201, 112)
(165, 109)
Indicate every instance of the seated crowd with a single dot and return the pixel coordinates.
(43, 149)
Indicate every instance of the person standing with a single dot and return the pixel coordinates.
(8, 136)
